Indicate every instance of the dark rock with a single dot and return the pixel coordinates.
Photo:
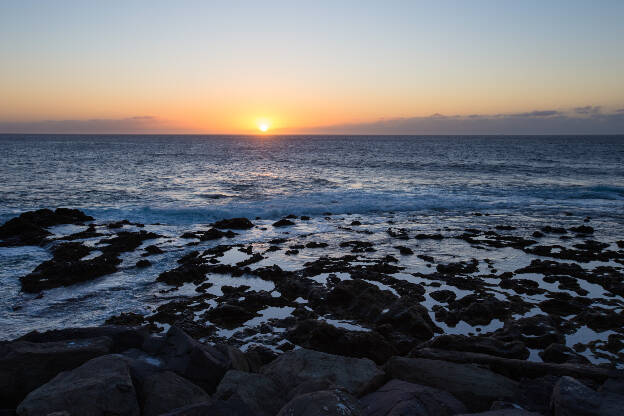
(321, 336)
(126, 318)
(143, 263)
(257, 391)
(29, 227)
(55, 273)
(443, 295)
(101, 386)
(326, 402)
(229, 315)
(355, 222)
(355, 375)
(123, 338)
(582, 229)
(553, 230)
(559, 353)
(164, 391)
(201, 364)
(152, 250)
(503, 412)
(461, 267)
(402, 398)
(314, 244)
(126, 241)
(475, 386)
(231, 407)
(406, 251)
(234, 224)
(484, 345)
(26, 365)
(283, 223)
(305, 218)
(572, 398)
(428, 236)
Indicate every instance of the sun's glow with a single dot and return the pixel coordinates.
(263, 127)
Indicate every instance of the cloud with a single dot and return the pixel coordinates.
(537, 113)
(588, 121)
(588, 109)
(129, 125)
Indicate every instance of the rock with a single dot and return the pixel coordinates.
(445, 296)
(475, 386)
(409, 318)
(123, 337)
(29, 227)
(165, 391)
(559, 353)
(126, 241)
(257, 391)
(321, 336)
(283, 223)
(201, 364)
(25, 365)
(143, 263)
(231, 407)
(234, 224)
(402, 398)
(56, 273)
(152, 250)
(485, 345)
(518, 369)
(355, 375)
(101, 386)
(326, 403)
(405, 251)
(572, 398)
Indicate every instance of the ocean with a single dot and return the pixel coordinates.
(383, 192)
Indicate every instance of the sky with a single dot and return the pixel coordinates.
(338, 67)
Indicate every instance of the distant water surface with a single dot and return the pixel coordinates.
(198, 178)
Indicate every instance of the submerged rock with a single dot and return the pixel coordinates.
(234, 224)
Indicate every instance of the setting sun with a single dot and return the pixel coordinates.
(263, 127)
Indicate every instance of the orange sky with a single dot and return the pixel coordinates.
(220, 67)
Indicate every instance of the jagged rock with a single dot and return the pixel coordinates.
(503, 412)
(402, 398)
(326, 402)
(475, 386)
(257, 391)
(355, 375)
(321, 336)
(101, 386)
(26, 365)
(572, 398)
(161, 392)
(29, 227)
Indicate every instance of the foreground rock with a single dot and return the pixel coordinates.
(402, 398)
(101, 386)
(571, 397)
(165, 391)
(326, 402)
(475, 386)
(26, 365)
(356, 375)
(257, 391)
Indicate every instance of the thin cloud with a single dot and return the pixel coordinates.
(589, 109)
(537, 113)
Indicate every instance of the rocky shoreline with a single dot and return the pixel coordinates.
(355, 325)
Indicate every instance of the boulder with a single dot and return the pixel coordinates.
(475, 386)
(123, 337)
(161, 392)
(321, 336)
(402, 398)
(356, 375)
(101, 386)
(202, 364)
(570, 397)
(29, 227)
(326, 403)
(257, 391)
(283, 223)
(503, 412)
(25, 365)
(559, 353)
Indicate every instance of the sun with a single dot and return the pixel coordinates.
(263, 127)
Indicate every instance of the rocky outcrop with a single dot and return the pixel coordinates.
(30, 227)
(325, 402)
(572, 398)
(257, 391)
